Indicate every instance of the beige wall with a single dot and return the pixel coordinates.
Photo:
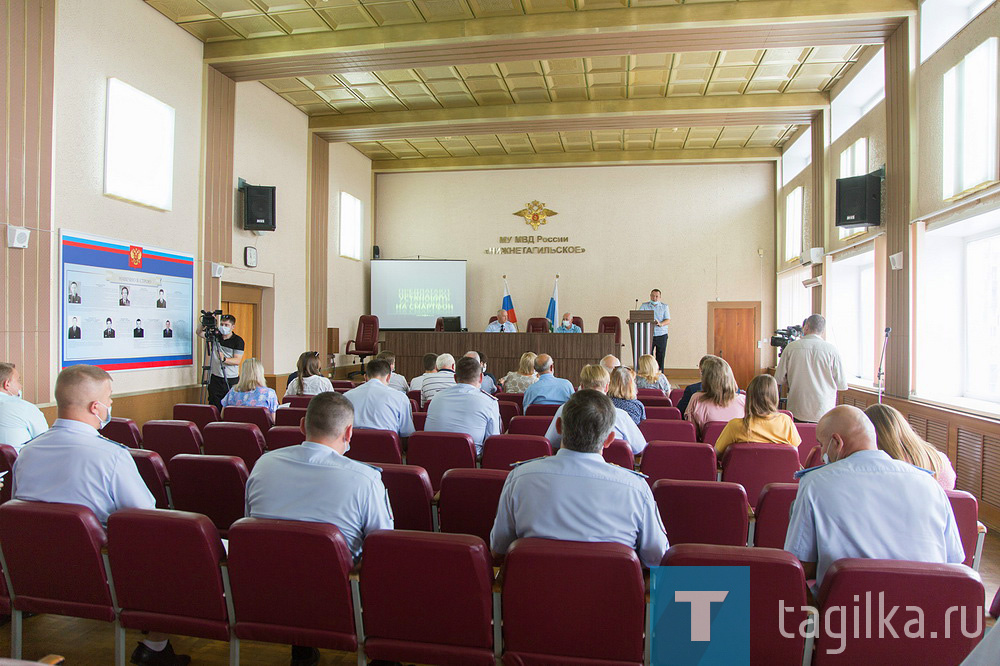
(692, 231)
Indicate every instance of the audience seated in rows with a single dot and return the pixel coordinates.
(489, 381)
(610, 362)
(464, 408)
(251, 390)
(430, 368)
(622, 392)
(310, 380)
(396, 381)
(894, 435)
(691, 389)
(549, 389)
(762, 422)
(596, 377)
(649, 375)
(440, 380)
(518, 381)
(20, 420)
(575, 495)
(719, 399)
(377, 405)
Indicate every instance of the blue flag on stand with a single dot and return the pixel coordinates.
(550, 314)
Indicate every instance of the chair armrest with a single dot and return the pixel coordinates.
(750, 513)
(54, 659)
(436, 499)
(980, 528)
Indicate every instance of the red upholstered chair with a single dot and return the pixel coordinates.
(775, 575)
(376, 446)
(468, 501)
(8, 456)
(341, 390)
(167, 572)
(281, 436)
(289, 416)
(995, 606)
(508, 410)
(807, 431)
(619, 453)
(545, 579)
(689, 461)
(578, 321)
(492, 319)
(201, 415)
(663, 413)
(211, 485)
(124, 431)
(419, 419)
(754, 465)
(668, 430)
(297, 401)
(414, 395)
(542, 410)
(703, 511)
(772, 513)
(154, 472)
(711, 431)
(439, 324)
(410, 496)
(414, 405)
(437, 452)
(815, 457)
(787, 413)
(516, 398)
(501, 451)
(366, 342)
(537, 325)
(342, 383)
(966, 510)
(611, 325)
(427, 598)
(243, 440)
(259, 416)
(53, 556)
(278, 604)
(944, 594)
(168, 438)
(529, 425)
(675, 396)
(655, 401)
(651, 392)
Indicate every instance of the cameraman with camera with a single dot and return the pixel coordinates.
(812, 372)
(225, 352)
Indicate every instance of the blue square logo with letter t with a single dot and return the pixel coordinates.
(700, 616)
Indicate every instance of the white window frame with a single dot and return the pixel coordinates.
(967, 324)
(940, 20)
(858, 97)
(793, 224)
(351, 227)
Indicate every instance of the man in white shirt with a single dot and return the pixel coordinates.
(430, 367)
(440, 380)
(20, 420)
(377, 405)
(396, 381)
(812, 371)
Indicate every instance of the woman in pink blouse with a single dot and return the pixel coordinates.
(719, 399)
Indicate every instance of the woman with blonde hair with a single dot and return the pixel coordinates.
(310, 380)
(719, 399)
(622, 392)
(894, 435)
(649, 375)
(251, 390)
(762, 421)
(519, 380)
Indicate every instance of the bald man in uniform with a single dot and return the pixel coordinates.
(862, 503)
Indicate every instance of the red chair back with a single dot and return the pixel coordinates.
(211, 485)
(772, 513)
(124, 431)
(201, 415)
(492, 319)
(342, 383)
(414, 395)
(542, 410)
(508, 410)
(619, 453)
(427, 598)
(278, 604)
(787, 413)
(243, 440)
(376, 446)
(662, 413)
(775, 576)
(414, 405)
(529, 425)
(169, 438)
(439, 324)
(8, 456)
(289, 416)
(469, 499)
(707, 512)
(537, 325)
(687, 461)
(676, 395)
(53, 555)
(995, 606)
(807, 431)
(815, 458)
(516, 398)
(281, 436)
(550, 570)
(578, 321)
(943, 593)
(754, 465)
(419, 419)
(297, 401)
(259, 416)
(651, 392)
(410, 496)
(154, 472)
(437, 452)
(670, 430)
(710, 431)
(365, 342)
(611, 325)
(655, 401)
(966, 510)
(166, 568)
(501, 451)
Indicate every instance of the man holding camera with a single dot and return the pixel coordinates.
(224, 359)
(811, 370)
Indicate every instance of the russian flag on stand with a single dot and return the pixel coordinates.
(508, 302)
(550, 314)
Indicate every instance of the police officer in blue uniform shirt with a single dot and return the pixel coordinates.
(596, 377)
(661, 315)
(567, 325)
(20, 420)
(549, 389)
(575, 495)
(865, 504)
(73, 464)
(464, 407)
(501, 325)
(489, 381)
(315, 482)
(379, 406)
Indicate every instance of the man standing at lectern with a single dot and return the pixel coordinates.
(501, 325)
(661, 317)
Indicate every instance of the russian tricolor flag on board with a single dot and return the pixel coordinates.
(508, 302)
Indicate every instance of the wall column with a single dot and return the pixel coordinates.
(217, 219)
(820, 199)
(319, 215)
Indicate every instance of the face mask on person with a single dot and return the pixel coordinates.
(225, 330)
(107, 419)
(826, 458)
(567, 323)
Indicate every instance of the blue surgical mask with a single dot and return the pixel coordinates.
(105, 421)
(826, 458)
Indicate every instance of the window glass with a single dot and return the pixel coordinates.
(969, 121)
(796, 157)
(851, 315)
(853, 162)
(350, 226)
(858, 97)
(793, 224)
(940, 20)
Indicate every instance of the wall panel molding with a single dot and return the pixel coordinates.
(218, 193)
(318, 241)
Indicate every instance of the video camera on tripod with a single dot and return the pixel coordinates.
(783, 336)
(210, 324)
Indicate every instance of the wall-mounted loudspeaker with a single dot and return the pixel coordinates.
(375, 252)
(258, 208)
(18, 237)
(859, 200)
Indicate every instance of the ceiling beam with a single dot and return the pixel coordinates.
(667, 29)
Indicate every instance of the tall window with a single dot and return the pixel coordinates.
(794, 300)
(851, 320)
(853, 162)
(941, 19)
(970, 121)
(793, 224)
(858, 97)
(796, 157)
(350, 226)
(982, 318)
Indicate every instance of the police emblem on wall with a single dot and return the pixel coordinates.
(534, 213)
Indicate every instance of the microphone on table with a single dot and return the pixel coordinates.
(637, 304)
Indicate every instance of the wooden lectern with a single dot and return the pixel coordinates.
(640, 328)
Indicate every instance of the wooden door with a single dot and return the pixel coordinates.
(733, 333)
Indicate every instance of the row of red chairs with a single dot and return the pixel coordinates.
(433, 598)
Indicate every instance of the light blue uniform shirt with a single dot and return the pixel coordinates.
(495, 327)
(489, 386)
(576, 496)
(465, 408)
(625, 428)
(19, 421)
(73, 464)
(661, 311)
(381, 407)
(573, 328)
(548, 390)
(314, 483)
(869, 505)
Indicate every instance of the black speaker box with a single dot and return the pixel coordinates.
(859, 201)
(258, 208)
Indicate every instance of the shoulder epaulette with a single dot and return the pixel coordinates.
(377, 469)
(802, 472)
(112, 441)
(639, 474)
(491, 397)
(523, 462)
